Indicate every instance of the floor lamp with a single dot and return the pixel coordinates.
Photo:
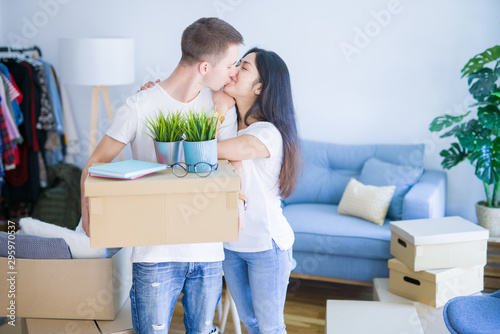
(100, 63)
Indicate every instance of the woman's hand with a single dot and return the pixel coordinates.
(222, 102)
(148, 84)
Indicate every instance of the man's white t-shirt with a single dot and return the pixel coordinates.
(264, 219)
(128, 127)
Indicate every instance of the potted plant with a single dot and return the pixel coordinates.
(478, 133)
(200, 145)
(167, 130)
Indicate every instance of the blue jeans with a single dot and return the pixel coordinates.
(258, 283)
(157, 286)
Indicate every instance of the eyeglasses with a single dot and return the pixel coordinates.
(202, 169)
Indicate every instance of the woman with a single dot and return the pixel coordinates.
(257, 267)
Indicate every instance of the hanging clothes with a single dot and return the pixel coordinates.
(15, 103)
(32, 126)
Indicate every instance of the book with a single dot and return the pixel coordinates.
(126, 170)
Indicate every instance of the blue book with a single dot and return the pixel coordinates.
(126, 170)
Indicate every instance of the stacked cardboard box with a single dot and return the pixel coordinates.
(437, 259)
(79, 292)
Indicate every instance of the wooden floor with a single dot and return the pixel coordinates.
(305, 307)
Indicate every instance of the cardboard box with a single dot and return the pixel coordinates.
(434, 287)
(161, 208)
(425, 244)
(361, 317)
(68, 289)
(121, 325)
(430, 318)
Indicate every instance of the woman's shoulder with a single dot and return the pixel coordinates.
(266, 132)
(263, 125)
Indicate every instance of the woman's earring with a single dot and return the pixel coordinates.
(257, 92)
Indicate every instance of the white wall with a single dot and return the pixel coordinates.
(388, 91)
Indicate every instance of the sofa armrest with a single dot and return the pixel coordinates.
(427, 198)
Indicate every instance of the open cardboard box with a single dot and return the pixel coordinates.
(68, 289)
(161, 208)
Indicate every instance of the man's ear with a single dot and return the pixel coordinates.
(203, 67)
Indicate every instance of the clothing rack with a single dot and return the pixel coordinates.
(21, 50)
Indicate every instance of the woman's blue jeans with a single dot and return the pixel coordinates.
(258, 283)
(157, 286)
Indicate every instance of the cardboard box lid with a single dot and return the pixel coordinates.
(438, 231)
(435, 276)
(224, 179)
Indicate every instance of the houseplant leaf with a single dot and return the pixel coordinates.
(453, 156)
(489, 117)
(473, 135)
(441, 122)
(478, 61)
(482, 83)
(487, 162)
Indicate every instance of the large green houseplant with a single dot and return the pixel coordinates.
(478, 132)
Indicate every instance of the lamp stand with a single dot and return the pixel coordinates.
(94, 112)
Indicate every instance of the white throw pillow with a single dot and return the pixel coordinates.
(367, 202)
(78, 242)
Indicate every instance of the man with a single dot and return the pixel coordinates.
(160, 273)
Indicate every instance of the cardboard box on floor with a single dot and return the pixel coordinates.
(434, 287)
(69, 289)
(121, 325)
(430, 318)
(161, 208)
(426, 244)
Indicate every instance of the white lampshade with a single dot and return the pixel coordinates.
(97, 61)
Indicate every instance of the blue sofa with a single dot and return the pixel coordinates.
(341, 248)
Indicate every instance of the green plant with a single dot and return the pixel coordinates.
(477, 131)
(166, 128)
(200, 126)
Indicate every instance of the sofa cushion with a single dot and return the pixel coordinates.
(319, 229)
(366, 201)
(328, 167)
(380, 173)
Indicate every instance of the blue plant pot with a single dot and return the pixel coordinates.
(168, 153)
(204, 151)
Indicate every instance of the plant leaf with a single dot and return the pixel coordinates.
(489, 117)
(478, 62)
(484, 83)
(453, 156)
(473, 135)
(452, 132)
(445, 121)
(487, 162)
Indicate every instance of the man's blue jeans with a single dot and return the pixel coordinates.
(156, 288)
(258, 283)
